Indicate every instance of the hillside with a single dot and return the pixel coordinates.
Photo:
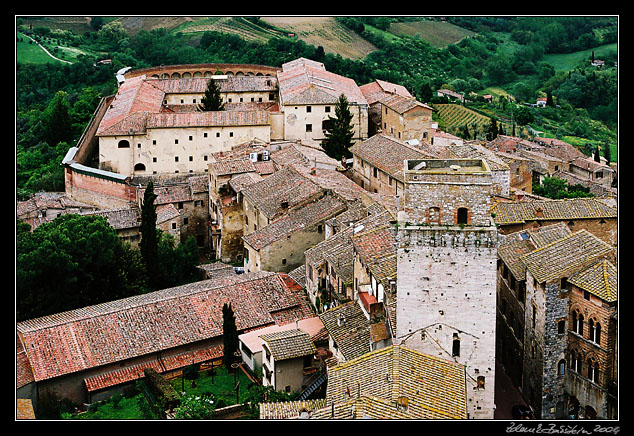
(438, 33)
(325, 32)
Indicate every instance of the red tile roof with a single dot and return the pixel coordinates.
(136, 326)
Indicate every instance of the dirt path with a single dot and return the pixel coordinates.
(46, 51)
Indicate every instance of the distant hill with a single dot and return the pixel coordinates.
(438, 33)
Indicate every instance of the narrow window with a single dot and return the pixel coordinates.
(309, 109)
(561, 367)
(309, 127)
(455, 350)
(561, 327)
(480, 382)
(462, 215)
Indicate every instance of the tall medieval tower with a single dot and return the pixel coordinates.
(447, 255)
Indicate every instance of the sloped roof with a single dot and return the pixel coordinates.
(303, 81)
(566, 209)
(565, 256)
(289, 344)
(295, 220)
(387, 154)
(435, 388)
(353, 335)
(600, 279)
(97, 335)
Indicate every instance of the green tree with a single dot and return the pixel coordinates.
(56, 120)
(229, 335)
(71, 262)
(196, 407)
(492, 131)
(149, 237)
(212, 100)
(339, 131)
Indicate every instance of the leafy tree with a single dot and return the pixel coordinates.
(196, 407)
(556, 188)
(149, 237)
(212, 100)
(229, 335)
(339, 131)
(57, 123)
(177, 263)
(71, 262)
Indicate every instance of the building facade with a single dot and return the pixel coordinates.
(446, 271)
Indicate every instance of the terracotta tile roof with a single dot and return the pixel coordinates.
(376, 248)
(207, 119)
(198, 85)
(600, 279)
(565, 256)
(181, 192)
(353, 335)
(289, 344)
(166, 212)
(232, 166)
(164, 364)
(401, 104)
(125, 218)
(375, 91)
(387, 154)
(241, 181)
(300, 155)
(23, 371)
(476, 151)
(123, 329)
(303, 81)
(337, 251)
(253, 341)
(544, 210)
(286, 185)
(434, 388)
(289, 409)
(295, 220)
(135, 99)
(299, 275)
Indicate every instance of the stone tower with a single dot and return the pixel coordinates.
(447, 255)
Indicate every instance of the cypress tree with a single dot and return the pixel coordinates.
(149, 239)
(339, 131)
(229, 335)
(212, 100)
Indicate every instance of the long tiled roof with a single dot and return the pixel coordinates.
(565, 256)
(233, 166)
(600, 279)
(543, 210)
(434, 387)
(387, 154)
(125, 218)
(97, 335)
(295, 220)
(289, 344)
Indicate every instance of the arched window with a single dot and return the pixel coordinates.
(434, 215)
(593, 371)
(123, 144)
(594, 331)
(139, 167)
(577, 322)
(561, 367)
(463, 215)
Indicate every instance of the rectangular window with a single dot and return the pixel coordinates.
(175, 158)
(309, 109)
(309, 127)
(327, 109)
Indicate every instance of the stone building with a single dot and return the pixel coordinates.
(446, 271)
(378, 163)
(374, 92)
(553, 284)
(591, 214)
(406, 118)
(307, 96)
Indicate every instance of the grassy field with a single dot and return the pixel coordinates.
(438, 33)
(567, 62)
(325, 32)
